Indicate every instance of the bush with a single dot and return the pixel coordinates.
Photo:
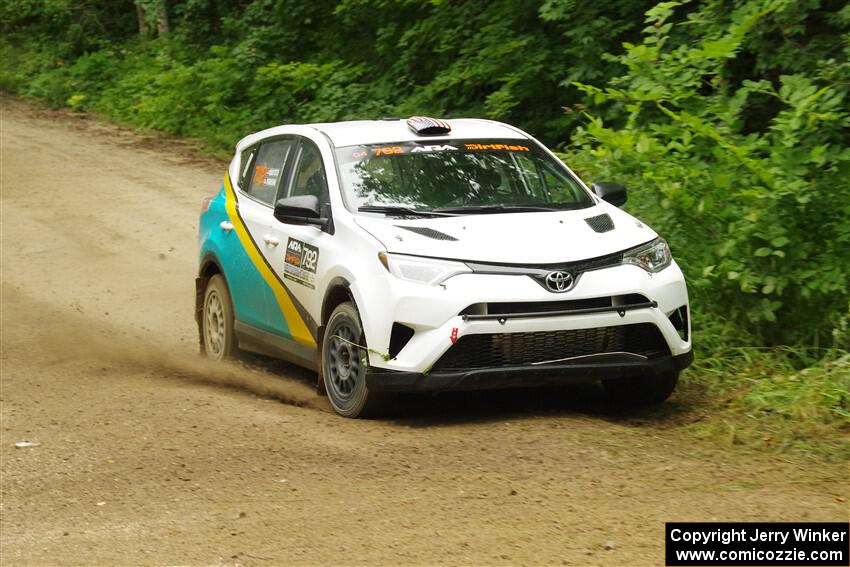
(758, 218)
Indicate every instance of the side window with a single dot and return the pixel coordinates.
(268, 170)
(247, 163)
(309, 177)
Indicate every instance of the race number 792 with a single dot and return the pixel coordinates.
(308, 261)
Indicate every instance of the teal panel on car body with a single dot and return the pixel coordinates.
(251, 296)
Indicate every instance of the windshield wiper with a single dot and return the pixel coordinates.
(396, 210)
(484, 209)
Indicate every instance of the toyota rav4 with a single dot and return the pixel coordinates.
(428, 255)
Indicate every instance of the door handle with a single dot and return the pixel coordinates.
(271, 240)
(225, 226)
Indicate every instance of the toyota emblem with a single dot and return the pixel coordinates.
(559, 281)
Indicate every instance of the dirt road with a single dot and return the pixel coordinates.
(144, 458)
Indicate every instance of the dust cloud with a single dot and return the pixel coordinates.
(73, 336)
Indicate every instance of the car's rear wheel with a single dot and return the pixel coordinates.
(344, 365)
(218, 326)
(641, 390)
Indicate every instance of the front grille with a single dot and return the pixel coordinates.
(541, 270)
(517, 349)
(567, 305)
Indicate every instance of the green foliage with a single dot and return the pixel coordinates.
(758, 218)
(511, 61)
(66, 28)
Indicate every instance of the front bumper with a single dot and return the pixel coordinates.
(576, 372)
(441, 322)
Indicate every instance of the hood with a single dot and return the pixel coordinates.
(512, 238)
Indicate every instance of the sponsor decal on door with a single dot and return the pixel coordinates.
(300, 263)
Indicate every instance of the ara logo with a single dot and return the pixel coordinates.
(437, 148)
(294, 245)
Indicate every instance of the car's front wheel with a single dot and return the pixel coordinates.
(344, 365)
(641, 390)
(217, 324)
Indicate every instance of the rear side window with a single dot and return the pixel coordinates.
(264, 179)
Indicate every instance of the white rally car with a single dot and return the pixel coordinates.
(427, 255)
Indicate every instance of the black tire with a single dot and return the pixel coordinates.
(217, 324)
(641, 391)
(344, 365)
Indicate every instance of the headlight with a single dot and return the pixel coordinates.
(428, 271)
(653, 256)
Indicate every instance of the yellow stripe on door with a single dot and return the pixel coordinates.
(297, 326)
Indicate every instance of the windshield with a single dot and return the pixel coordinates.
(457, 176)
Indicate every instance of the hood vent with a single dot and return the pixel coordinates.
(601, 223)
(428, 232)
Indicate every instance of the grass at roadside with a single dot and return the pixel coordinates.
(761, 398)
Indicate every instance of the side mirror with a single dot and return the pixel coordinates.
(613, 193)
(303, 209)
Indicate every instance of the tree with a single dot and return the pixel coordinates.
(152, 13)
